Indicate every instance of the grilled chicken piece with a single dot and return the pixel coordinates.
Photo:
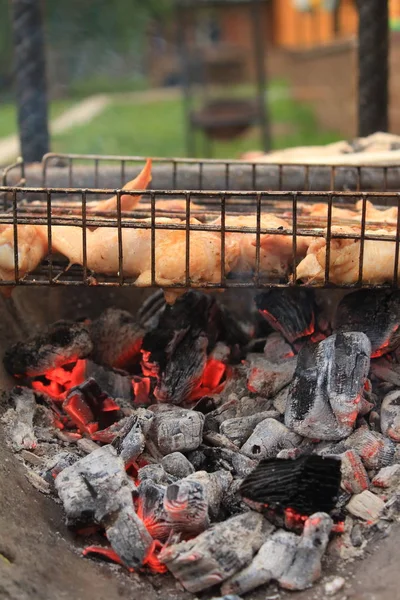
(378, 261)
(32, 247)
(276, 250)
(372, 214)
(33, 239)
(170, 253)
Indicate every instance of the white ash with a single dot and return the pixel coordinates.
(216, 554)
(266, 378)
(177, 464)
(306, 565)
(269, 437)
(387, 477)
(375, 450)
(334, 586)
(176, 429)
(19, 420)
(354, 475)
(239, 429)
(390, 415)
(366, 506)
(271, 561)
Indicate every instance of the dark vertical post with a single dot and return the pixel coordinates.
(373, 65)
(259, 55)
(30, 78)
(184, 58)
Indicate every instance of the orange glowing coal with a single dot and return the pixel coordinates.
(212, 380)
(385, 347)
(57, 382)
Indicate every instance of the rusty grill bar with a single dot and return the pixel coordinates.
(69, 205)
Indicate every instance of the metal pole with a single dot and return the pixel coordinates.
(373, 65)
(30, 78)
(259, 55)
(184, 53)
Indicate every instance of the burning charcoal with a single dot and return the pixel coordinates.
(390, 415)
(156, 474)
(86, 445)
(89, 407)
(150, 509)
(366, 506)
(117, 338)
(354, 476)
(228, 460)
(191, 502)
(64, 342)
(306, 566)
(387, 477)
(271, 562)
(130, 441)
(128, 537)
(306, 484)
(227, 410)
(290, 311)
(177, 464)
(324, 398)
(186, 506)
(269, 437)
(183, 374)
(232, 502)
(58, 463)
(19, 420)
(217, 553)
(266, 378)
(176, 430)
(280, 400)
(277, 349)
(151, 309)
(374, 449)
(374, 312)
(212, 438)
(93, 486)
(216, 485)
(115, 385)
(239, 429)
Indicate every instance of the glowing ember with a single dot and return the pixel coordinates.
(385, 347)
(212, 381)
(57, 382)
(151, 560)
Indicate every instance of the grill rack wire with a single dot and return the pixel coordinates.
(29, 196)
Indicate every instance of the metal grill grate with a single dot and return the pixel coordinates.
(59, 191)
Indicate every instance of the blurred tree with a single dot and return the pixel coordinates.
(86, 35)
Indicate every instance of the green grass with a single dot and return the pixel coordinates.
(157, 129)
(8, 115)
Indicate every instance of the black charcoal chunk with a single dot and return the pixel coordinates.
(290, 311)
(306, 484)
(374, 312)
(116, 337)
(62, 343)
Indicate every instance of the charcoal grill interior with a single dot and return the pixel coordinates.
(39, 558)
(43, 559)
